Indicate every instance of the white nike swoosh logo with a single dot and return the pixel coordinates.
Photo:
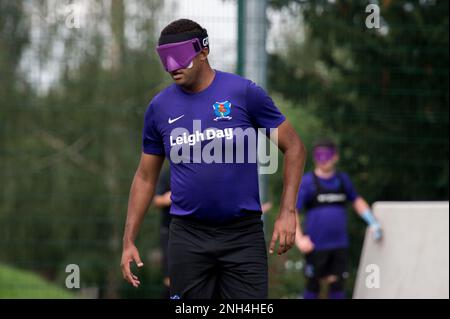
(174, 120)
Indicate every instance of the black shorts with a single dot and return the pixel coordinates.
(322, 263)
(218, 261)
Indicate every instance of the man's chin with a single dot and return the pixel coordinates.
(181, 82)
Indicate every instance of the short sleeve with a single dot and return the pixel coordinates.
(303, 194)
(349, 188)
(152, 142)
(263, 111)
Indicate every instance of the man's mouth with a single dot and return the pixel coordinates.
(177, 75)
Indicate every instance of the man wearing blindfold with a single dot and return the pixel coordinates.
(216, 241)
(324, 194)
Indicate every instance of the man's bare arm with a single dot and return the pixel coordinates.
(141, 193)
(294, 162)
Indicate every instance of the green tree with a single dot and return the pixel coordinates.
(71, 152)
(382, 93)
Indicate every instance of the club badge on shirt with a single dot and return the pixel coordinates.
(222, 111)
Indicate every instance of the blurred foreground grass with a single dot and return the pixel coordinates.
(16, 283)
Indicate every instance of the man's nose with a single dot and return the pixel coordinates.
(172, 65)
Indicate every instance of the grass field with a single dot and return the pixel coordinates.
(16, 283)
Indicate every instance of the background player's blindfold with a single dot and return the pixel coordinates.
(177, 51)
(323, 154)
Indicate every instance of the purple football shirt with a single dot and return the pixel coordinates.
(213, 192)
(326, 225)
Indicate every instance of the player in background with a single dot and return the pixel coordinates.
(323, 196)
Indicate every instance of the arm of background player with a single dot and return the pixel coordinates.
(363, 209)
(360, 205)
(163, 200)
(302, 241)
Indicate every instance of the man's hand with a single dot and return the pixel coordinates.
(305, 244)
(130, 254)
(284, 232)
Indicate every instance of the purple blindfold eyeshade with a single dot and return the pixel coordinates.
(178, 55)
(323, 154)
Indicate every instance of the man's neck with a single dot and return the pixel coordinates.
(324, 174)
(204, 81)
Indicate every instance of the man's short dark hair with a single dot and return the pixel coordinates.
(325, 142)
(181, 26)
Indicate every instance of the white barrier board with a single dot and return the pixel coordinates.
(412, 260)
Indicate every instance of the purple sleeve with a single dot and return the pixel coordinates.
(151, 138)
(261, 108)
(348, 187)
(303, 194)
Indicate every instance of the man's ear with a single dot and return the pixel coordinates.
(204, 54)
